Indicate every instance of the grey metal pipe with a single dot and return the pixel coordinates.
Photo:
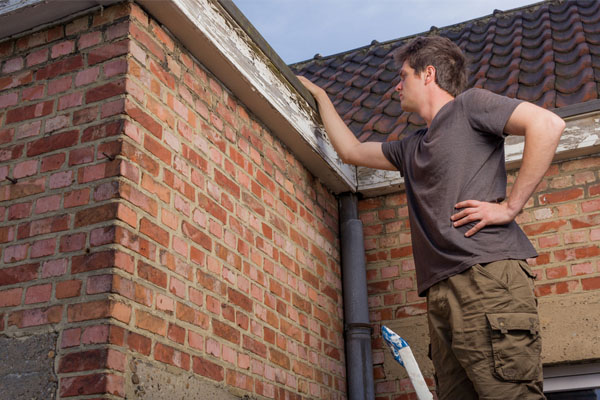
(357, 329)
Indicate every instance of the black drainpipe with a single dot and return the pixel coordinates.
(357, 329)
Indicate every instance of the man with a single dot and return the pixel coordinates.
(468, 251)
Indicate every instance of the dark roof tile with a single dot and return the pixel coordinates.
(547, 53)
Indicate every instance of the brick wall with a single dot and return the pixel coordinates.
(147, 215)
(561, 219)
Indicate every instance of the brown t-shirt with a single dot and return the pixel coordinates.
(459, 157)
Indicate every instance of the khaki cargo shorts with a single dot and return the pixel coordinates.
(484, 329)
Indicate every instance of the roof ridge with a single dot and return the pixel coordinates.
(456, 26)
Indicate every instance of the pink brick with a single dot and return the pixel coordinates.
(87, 76)
(37, 57)
(33, 93)
(9, 99)
(213, 347)
(19, 211)
(177, 287)
(56, 123)
(70, 100)
(54, 268)
(115, 67)
(89, 39)
(195, 340)
(165, 303)
(12, 65)
(99, 284)
(62, 48)
(582, 269)
(11, 297)
(60, 85)
(595, 234)
(112, 108)
(26, 168)
(38, 294)
(60, 179)
(15, 253)
(101, 236)
(229, 355)
(95, 334)
(72, 242)
(43, 248)
(28, 130)
(46, 204)
(117, 30)
(70, 337)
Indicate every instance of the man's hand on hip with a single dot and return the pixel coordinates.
(482, 211)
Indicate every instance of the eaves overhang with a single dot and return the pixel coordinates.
(217, 34)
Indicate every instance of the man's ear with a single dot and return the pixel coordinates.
(430, 74)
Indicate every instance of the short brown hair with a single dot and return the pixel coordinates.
(446, 57)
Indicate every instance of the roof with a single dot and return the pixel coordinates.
(546, 53)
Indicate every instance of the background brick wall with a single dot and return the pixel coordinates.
(146, 214)
(561, 219)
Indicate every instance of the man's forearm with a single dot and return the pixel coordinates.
(541, 141)
(342, 139)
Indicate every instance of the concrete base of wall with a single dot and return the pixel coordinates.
(570, 326)
(146, 381)
(416, 333)
(27, 367)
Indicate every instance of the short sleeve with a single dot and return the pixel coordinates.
(393, 152)
(488, 112)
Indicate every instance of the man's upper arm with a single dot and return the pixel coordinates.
(527, 115)
(370, 154)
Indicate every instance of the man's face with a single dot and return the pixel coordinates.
(409, 87)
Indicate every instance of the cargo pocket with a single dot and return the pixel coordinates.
(516, 345)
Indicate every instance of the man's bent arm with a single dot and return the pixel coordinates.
(542, 130)
(348, 147)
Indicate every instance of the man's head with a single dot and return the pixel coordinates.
(446, 57)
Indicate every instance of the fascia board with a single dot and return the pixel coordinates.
(222, 46)
(17, 16)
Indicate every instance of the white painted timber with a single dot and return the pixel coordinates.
(217, 41)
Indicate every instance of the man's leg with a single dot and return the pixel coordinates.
(495, 330)
(451, 379)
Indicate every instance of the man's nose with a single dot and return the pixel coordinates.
(399, 87)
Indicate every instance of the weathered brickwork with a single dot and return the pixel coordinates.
(146, 213)
(561, 219)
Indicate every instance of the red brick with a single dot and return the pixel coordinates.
(171, 356)
(139, 343)
(150, 323)
(13, 81)
(68, 289)
(92, 384)
(52, 143)
(105, 91)
(239, 299)
(95, 334)
(22, 273)
(197, 236)
(237, 379)
(160, 151)
(95, 215)
(591, 283)
(60, 67)
(144, 119)
(188, 314)
(577, 253)
(151, 274)
(89, 311)
(561, 196)
(53, 162)
(139, 199)
(38, 294)
(108, 51)
(10, 297)
(208, 369)
(279, 358)
(29, 112)
(556, 272)
(36, 317)
(155, 232)
(94, 261)
(176, 333)
(225, 331)
(83, 361)
(102, 131)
